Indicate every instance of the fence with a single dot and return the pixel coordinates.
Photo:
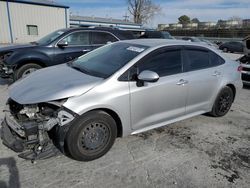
(215, 33)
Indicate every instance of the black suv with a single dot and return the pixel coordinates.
(58, 47)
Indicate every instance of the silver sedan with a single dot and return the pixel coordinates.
(120, 89)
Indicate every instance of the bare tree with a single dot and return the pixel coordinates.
(142, 10)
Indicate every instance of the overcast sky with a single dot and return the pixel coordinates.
(204, 10)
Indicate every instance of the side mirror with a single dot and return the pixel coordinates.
(62, 44)
(148, 76)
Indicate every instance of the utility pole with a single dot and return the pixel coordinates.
(126, 17)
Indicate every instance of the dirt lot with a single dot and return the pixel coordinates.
(198, 152)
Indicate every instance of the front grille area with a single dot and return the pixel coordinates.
(245, 77)
(246, 69)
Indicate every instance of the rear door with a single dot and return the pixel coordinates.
(155, 103)
(204, 80)
(78, 44)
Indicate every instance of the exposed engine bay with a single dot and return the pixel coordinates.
(36, 130)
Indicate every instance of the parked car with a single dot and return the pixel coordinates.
(200, 41)
(245, 62)
(123, 88)
(58, 47)
(156, 34)
(233, 46)
(210, 43)
(192, 39)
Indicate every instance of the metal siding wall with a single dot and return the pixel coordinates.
(48, 19)
(4, 24)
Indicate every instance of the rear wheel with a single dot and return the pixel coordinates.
(91, 136)
(223, 102)
(25, 70)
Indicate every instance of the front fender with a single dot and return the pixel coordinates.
(19, 58)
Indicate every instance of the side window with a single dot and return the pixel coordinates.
(77, 38)
(215, 60)
(102, 38)
(198, 59)
(164, 63)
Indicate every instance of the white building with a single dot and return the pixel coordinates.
(175, 26)
(85, 21)
(24, 21)
(207, 25)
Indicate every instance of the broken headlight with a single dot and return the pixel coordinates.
(5, 56)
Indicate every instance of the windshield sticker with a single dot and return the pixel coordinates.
(135, 49)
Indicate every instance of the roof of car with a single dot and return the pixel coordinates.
(159, 42)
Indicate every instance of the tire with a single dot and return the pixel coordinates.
(24, 70)
(225, 49)
(223, 102)
(91, 136)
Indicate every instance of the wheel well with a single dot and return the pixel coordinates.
(233, 88)
(117, 119)
(30, 61)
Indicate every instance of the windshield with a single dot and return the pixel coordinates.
(50, 37)
(106, 60)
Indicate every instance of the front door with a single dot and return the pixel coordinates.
(78, 44)
(156, 103)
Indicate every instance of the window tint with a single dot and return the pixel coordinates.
(164, 63)
(102, 38)
(198, 59)
(77, 38)
(215, 60)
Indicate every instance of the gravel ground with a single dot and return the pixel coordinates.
(198, 152)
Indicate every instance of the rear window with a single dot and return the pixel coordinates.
(123, 35)
(215, 59)
(102, 38)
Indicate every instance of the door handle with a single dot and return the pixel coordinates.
(182, 82)
(87, 50)
(216, 73)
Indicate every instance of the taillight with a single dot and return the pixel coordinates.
(240, 68)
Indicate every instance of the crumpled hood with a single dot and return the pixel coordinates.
(53, 83)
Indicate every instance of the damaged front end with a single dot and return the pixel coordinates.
(36, 130)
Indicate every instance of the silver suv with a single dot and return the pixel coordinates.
(120, 89)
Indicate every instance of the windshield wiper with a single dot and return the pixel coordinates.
(70, 63)
(34, 42)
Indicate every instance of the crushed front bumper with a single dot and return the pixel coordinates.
(10, 139)
(13, 136)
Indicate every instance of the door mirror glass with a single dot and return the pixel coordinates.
(148, 76)
(62, 44)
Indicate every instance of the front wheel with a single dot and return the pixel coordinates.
(91, 136)
(223, 102)
(25, 70)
